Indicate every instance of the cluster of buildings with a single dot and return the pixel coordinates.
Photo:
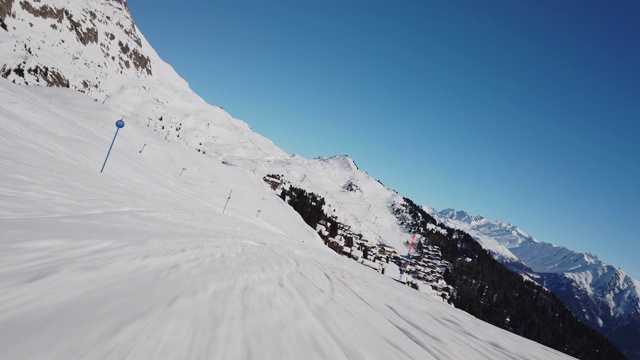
(424, 267)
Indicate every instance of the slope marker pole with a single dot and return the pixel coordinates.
(119, 125)
(142, 148)
(225, 204)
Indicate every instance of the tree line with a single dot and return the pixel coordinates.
(488, 290)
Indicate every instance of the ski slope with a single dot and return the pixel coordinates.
(139, 262)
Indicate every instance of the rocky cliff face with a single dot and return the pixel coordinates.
(93, 44)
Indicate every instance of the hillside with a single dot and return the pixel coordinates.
(180, 245)
(601, 295)
(140, 261)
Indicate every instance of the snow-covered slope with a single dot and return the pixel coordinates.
(155, 96)
(180, 249)
(482, 230)
(352, 195)
(97, 49)
(141, 262)
(601, 295)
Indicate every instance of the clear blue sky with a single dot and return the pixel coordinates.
(523, 111)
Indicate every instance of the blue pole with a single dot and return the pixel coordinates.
(119, 125)
(105, 160)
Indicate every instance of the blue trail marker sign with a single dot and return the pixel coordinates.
(119, 125)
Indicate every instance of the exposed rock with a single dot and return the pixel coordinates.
(124, 47)
(123, 3)
(5, 11)
(103, 25)
(85, 36)
(5, 8)
(131, 32)
(44, 11)
(90, 35)
(50, 76)
(141, 62)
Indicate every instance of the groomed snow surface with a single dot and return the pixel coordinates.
(139, 262)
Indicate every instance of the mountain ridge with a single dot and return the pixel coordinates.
(601, 295)
(150, 99)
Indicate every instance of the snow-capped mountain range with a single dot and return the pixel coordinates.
(194, 153)
(601, 295)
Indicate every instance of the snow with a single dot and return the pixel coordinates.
(474, 226)
(140, 262)
(611, 292)
(356, 254)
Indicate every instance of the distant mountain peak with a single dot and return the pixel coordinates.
(599, 294)
(461, 215)
(341, 161)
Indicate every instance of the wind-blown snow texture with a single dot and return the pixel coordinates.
(140, 261)
(601, 295)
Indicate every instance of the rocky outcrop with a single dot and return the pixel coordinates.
(105, 25)
(5, 8)
(44, 11)
(5, 11)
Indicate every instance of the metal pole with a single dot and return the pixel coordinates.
(225, 204)
(109, 152)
